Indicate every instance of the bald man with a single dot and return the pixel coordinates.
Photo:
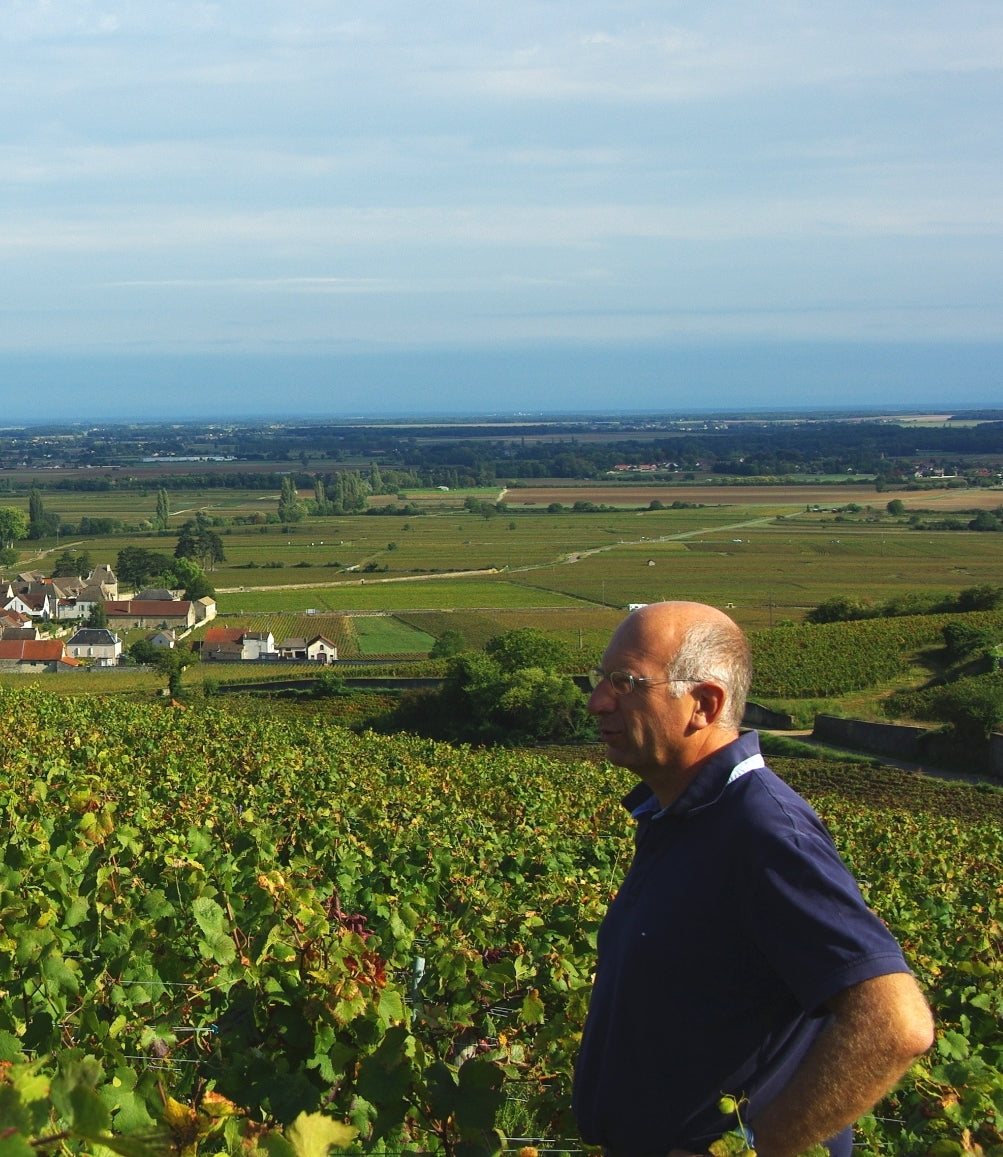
(738, 957)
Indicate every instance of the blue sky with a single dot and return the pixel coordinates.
(212, 209)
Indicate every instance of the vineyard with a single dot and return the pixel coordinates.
(249, 935)
(834, 658)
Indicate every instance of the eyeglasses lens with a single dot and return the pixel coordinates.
(620, 681)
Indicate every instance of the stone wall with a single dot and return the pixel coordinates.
(894, 739)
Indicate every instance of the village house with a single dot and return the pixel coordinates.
(38, 603)
(162, 639)
(34, 594)
(11, 620)
(234, 644)
(8, 632)
(34, 656)
(179, 614)
(157, 595)
(203, 609)
(315, 650)
(101, 647)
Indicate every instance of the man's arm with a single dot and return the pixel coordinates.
(877, 1029)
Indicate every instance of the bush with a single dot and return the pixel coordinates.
(839, 610)
(962, 640)
(448, 645)
(974, 707)
(328, 684)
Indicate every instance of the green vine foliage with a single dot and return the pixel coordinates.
(240, 934)
(835, 658)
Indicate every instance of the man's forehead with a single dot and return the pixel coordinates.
(635, 647)
(647, 631)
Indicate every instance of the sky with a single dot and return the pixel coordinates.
(321, 209)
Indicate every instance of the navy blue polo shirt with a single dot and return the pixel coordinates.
(736, 922)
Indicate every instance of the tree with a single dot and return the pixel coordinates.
(986, 597)
(35, 509)
(329, 684)
(135, 565)
(13, 526)
(290, 507)
(974, 707)
(186, 574)
(98, 617)
(198, 542)
(163, 509)
(35, 513)
(985, 520)
(144, 652)
(544, 705)
(171, 661)
(527, 647)
(40, 524)
(72, 564)
(962, 639)
(896, 507)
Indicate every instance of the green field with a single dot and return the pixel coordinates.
(758, 552)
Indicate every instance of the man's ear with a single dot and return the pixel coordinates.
(709, 701)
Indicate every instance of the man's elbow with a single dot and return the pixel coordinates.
(892, 1012)
(909, 1027)
(917, 1030)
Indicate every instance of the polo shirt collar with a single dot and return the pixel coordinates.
(723, 767)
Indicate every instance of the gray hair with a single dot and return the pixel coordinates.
(716, 652)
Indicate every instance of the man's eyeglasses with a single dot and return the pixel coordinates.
(623, 682)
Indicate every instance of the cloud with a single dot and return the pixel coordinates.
(199, 175)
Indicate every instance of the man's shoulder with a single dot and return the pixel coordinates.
(770, 806)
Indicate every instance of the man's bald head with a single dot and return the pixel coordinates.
(696, 643)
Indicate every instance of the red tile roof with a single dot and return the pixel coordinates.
(150, 609)
(32, 650)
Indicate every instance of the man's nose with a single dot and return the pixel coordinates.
(602, 698)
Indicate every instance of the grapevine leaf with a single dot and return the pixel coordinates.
(209, 916)
(440, 1090)
(152, 1144)
(15, 1146)
(729, 1145)
(221, 948)
(275, 1145)
(480, 1096)
(77, 911)
(10, 1047)
(385, 1075)
(952, 1045)
(391, 1007)
(59, 974)
(91, 1118)
(314, 1135)
(532, 1008)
